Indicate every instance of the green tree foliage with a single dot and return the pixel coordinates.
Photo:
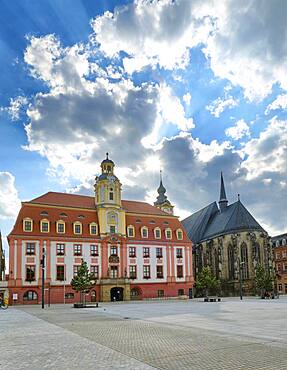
(83, 281)
(263, 281)
(206, 281)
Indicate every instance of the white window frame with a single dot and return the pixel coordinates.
(131, 227)
(93, 224)
(155, 230)
(166, 232)
(144, 228)
(178, 231)
(78, 223)
(31, 221)
(60, 222)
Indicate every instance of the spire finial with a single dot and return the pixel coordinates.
(107, 154)
(238, 196)
(222, 199)
(160, 175)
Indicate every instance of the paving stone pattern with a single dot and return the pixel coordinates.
(163, 335)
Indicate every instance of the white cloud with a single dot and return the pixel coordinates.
(187, 98)
(279, 103)
(9, 201)
(220, 105)
(151, 32)
(268, 152)
(162, 32)
(239, 130)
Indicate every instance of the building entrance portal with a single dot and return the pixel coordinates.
(117, 294)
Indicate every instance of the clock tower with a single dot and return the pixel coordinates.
(108, 200)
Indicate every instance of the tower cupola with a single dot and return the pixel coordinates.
(108, 194)
(161, 201)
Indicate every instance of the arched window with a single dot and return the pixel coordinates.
(284, 242)
(144, 232)
(28, 224)
(44, 226)
(179, 234)
(77, 228)
(216, 263)
(244, 261)
(30, 295)
(257, 252)
(157, 233)
(231, 262)
(136, 293)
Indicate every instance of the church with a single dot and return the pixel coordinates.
(229, 240)
(134, 250)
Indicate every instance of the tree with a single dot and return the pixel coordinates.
(206, 281)
(83, 281)
(263, 281)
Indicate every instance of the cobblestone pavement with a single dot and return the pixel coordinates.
(27, 342)
(251, 334)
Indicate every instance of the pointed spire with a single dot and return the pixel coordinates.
(223, 199)
(107, 154)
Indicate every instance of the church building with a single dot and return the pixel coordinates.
(134, 250)
(229, 240)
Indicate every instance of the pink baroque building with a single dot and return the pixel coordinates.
(135, 250)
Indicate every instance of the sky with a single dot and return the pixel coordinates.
(189, 87)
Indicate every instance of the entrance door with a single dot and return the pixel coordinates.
(93, 296)
(190, 293)
(117, 294)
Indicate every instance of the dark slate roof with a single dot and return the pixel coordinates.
(210, 222)
(196, 224)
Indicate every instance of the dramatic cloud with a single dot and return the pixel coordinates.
(93, 104)
(239, 130)
(268, 153)
(9, 201)
(151, 33)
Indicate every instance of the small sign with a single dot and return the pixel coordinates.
(15, 296)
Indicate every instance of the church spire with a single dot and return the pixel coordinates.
(223, 199)
(161, 201)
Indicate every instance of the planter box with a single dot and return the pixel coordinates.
(79, 305)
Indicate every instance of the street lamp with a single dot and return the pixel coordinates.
(43, 276)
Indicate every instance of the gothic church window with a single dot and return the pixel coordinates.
(244, 261)
(231, 263)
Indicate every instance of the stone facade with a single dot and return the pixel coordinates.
(224, 254)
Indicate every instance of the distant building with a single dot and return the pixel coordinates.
(2, 260)
(135, 250)
(226, 237)
(279, 244)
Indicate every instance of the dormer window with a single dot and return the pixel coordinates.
(44, 226)
(144, 231)
(28, 225)
(168, 233)
(131, 231)
(44, 213)
(77, 228)
(60, 227)
(179, 234)
(157, 233)
(93, 228)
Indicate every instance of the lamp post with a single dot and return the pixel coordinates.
(240, 277)
(43, 277)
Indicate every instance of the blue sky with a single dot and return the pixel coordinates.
(192, 87)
